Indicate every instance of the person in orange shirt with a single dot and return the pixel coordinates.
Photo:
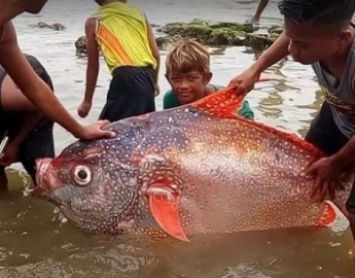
(123, 34)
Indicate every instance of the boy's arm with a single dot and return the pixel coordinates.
(245, 81)
(93, 64)
(155, 50)
(37, 91)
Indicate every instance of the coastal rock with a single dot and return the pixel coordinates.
(259, 41)
(225, 36)
(221, 33)
(275, 29)
(55, 26)
(80, 45)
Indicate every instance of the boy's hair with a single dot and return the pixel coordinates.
(187, 55)
(335, 13)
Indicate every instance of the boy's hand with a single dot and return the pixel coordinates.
(10, 154)
(245, 81)
(95, 131)
(156, 89)
(84, 109)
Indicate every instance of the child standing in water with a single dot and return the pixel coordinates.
(127, 42)
(188, 72)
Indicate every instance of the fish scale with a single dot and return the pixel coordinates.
(190, 170)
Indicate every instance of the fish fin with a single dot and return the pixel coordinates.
(225, 102)
(164, 206)
(222, 104)
(329, 215)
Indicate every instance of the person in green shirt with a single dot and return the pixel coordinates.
(188, 73)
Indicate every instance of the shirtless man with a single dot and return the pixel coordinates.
(33, 87)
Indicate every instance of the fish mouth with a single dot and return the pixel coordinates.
(46, 178)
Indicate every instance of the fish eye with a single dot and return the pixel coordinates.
(82, 175)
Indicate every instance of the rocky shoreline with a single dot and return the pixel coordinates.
(209, 34)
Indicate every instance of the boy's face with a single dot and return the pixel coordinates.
(310, 43)
(190, 86)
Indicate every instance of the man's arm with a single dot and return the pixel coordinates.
(245, 81)
(37, 91)
(277, 51)
(154, 48)
(93, 64)
(33, 87)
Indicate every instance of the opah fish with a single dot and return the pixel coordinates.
(194, 169)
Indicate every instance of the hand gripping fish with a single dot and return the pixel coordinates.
(191, 170)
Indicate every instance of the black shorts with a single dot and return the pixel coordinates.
(324, 134)
(131, 93)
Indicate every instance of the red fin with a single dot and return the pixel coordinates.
(164, 206)
(223, 103)
(328, 216)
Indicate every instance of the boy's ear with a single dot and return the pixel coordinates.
(207, 78)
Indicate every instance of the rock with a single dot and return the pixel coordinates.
(55, 26)
(164, 41)
(226, 36)
(259, 41)
(221, 33)
(247, 28)
(80, 45)
(276, 30)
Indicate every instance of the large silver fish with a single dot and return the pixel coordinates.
(185, 171)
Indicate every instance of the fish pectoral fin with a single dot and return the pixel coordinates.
(328, 216)
(164, 205)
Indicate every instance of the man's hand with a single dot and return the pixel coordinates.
(244, 82)
(327, 172)
(95, 131)
(10, 155)
(84, 109)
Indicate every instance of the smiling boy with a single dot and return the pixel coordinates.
(188, 72)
